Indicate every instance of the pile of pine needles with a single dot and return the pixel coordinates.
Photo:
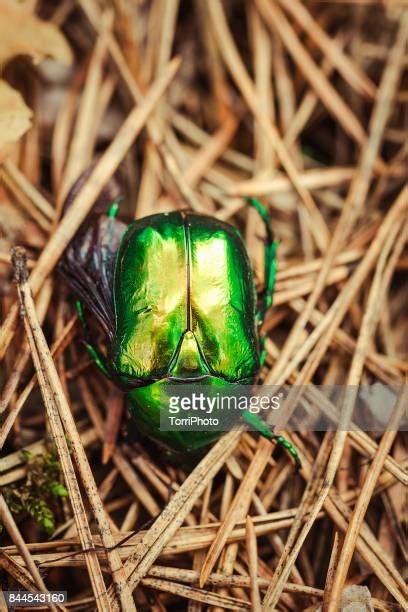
(197, 104)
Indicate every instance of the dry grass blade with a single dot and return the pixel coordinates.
(333, 563)
(262, 53)
(184, 188)
(29, 190)
(20, 574)
(169, 19)
(81, 148)
(25, 202)
(112, 425)
(253, 564)
(311, 179)
(306, 107)
(186, 539)
(206, 597)
(61, 136)
(65, 337)
(210, 152)
(42, 304)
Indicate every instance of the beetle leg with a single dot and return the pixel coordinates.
(262, 428)
(270, 265)
(114, 207)
(92, 351)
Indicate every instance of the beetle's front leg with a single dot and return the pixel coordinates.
(92, 351)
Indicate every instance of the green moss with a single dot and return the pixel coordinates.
(37, 495)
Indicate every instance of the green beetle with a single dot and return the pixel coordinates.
(175, 295)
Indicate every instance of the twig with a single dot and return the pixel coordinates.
(253, 564)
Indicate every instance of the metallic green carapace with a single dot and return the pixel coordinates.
(184, 301)
(184, 304)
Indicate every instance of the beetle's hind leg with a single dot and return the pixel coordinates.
(262, 428)
(270, 266)
(93, 352)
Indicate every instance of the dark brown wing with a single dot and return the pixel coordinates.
(88, 262)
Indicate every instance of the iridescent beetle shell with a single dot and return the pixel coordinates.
(184, 306)
(184, 301)
(175, 295)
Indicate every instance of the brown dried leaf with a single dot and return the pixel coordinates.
(22, 33)
(15, 116)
